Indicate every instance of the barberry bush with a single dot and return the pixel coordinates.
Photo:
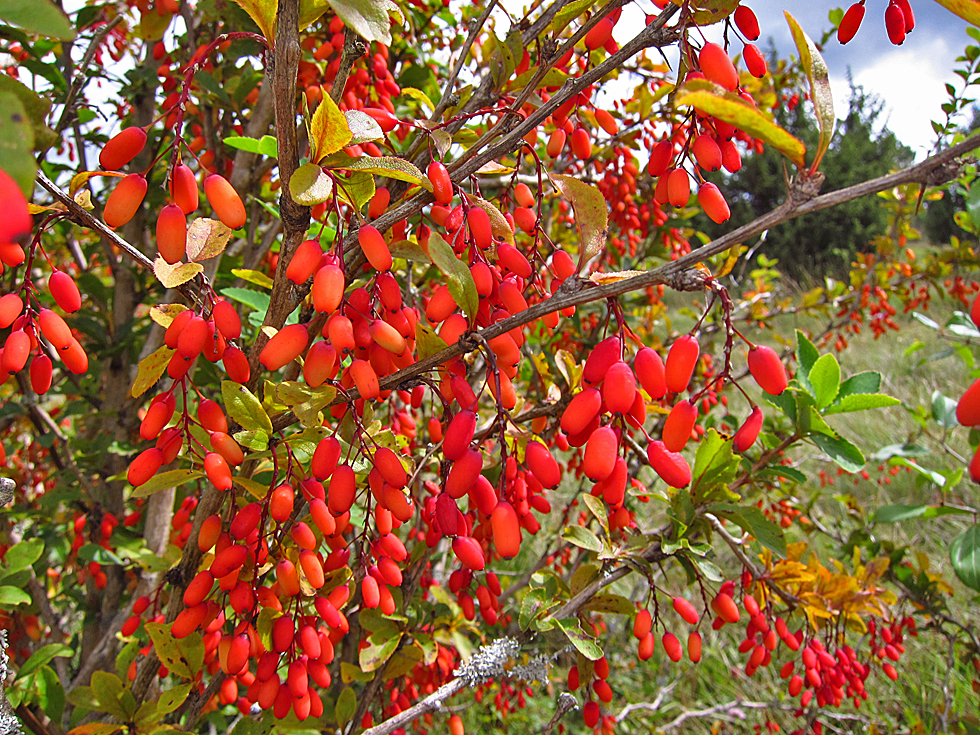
(364, 372)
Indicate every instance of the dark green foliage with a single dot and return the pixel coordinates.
(823, 242)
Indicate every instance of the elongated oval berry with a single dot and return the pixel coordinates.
(716, 65)
(556, 142)
(694, 646)
(287, 577)
(342, 489)
(479, 224)
(75, 358)
(217, 470)
(681, 359)
(469, 553)
(672, 647)
(686, 610)
(236, 365)
(906, 8)
(183, 188)
(122, 148)
(642, 624)
(304, 262)
(464, 473)
(747, 22)
(755, 62)
(506, 530)
(124, 200)
(725, 608)
(731, 159)
(328, 288)
(41, 374)
(288, 344)
(606, 121)
(649, 369)
(968, 407)
(542, 464)
(171, 233)
(224, 200)
(599, 34)
(661, 157)
(442, 185)
(581, 143)
(365, 379)
(600, 454)
(707, 152)
(16, 350)
(768, 370)
(580, 411)
(16, 221)
(603, 356)
(895, 23)
(375, 248)
(851, 22)
(144, 466)
(64, 291)
(678, 188)
(54, 329)
(679, 425)
(10, 308)
(748, 432)
(226, 319)
(713, 203)
(670, 466)
(210, 531)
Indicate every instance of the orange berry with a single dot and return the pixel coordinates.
(225, 201)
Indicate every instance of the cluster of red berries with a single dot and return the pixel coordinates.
(899, 21)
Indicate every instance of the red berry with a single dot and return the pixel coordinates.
(41, 374)
(556, 143)
(768, 370)
(287, 344)
(183, 188)
(686, 610)
(748, 432)
(224, 200)
(10, 308)
(713, 203)
(124, 200)
(672, 647)
(906, 8)
(375, 248)
(755, 62)
(581, 144)
(670, 466)
(707, 152)
(171, 233)
(599, 34)
(717, 66)
(442, 185)
(469, 553)
(601, 451)
(304, 262)
(661, 157)
(479, 224)
(122, 148)
(679, 425)
(506, 530)
(678, 188)
(64, 291)
(16, 221)
(681, 359)
(217, 470)
(747, 23)
(895, 23)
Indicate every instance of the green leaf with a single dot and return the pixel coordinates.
(168, 650)
(861, 402)
(257, 277)
(98, 554)
(825, 379)
(403, 660)
(613, 604)
(42, 655)
(329, 131)
(357, 189)
(346, 706)
(165, 481)
(151, 368)
(867, 382)
(363, 127)
(409, 250)
(50, 694)
(37, 16)
(459, 278)
(753, 520)
(711, 99)
(841, 451)
(596, 507)
(390, 166)
(533, 603)
(172, 698)
(820, 95)
(584, 643)
(590, 213)
(964, 553)
(900, 450)
(898, 512)
(714, 464)
(306, 402)
(256, 299)
(17, 143)
(944, 409)
(427, 341)
(379, 649)
(582, 537)
(785, 472)
(266, 146)
(23, 554)
(107, 689)
(368, 18)
(806, 355)
(310, 185)
(10, 596)
(37, 109)
(243, 407)
(255, 439)
(785, 402)
(206, 238)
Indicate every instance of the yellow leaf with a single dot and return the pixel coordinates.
(163, 314)
(150, 370)
(172, 276)
(206, 238)
(329, 131)
(730, 261)
(613, 276)
(263, 12)
(711, 99)
(968, 10)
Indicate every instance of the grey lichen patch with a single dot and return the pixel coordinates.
(9, 724)
(489, 662)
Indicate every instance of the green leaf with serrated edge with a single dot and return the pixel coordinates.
(825, 379)
(107, 689)
(806, 356)
(785, 402)
(37, 16)
(591, 214)
(255, 439)
(244, 408)
(498, 223)
(409, 250)
(22, 555)
(458, 276)
(596, 507)
(754, 521)
(310, 185)
(172, 698)
(174, 275)
(532, 604)
(363, 127)
(841, 451)
(41, 656)
(165, 481)
(710, 99)
(613, 604)
(964, 553)
(17, 143)
(583, 643)
(861, 402)
(168, 650)
(713, 464)
(785, 472)
(345, 707)
(822, 98)
(388, 166)
(256, 277)
(10, 596)
(897, 513)
(151, 369)
(427, 342)
(206, 238)
(582, 537)
(368, 18)
(329, 131)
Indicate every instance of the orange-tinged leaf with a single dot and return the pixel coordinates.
(206, 238)
(329, 130)
(151, 368)
(613, 276)
(713, 100)
(968, 10)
